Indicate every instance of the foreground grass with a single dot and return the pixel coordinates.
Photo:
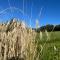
(50, 48)
(20, 43)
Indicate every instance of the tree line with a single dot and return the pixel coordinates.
(48, 27)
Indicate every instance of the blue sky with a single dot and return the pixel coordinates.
(45, 11)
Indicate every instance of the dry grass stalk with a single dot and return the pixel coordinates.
(19, 42)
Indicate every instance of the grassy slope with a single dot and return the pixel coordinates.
(48, 52)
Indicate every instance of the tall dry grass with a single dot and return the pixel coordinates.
(18, 42)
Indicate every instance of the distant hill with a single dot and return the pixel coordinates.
(48, 28)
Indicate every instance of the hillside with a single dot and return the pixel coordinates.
(49, 28)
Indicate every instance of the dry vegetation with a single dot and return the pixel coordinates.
(17, 42)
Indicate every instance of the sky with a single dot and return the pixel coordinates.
(44, 11)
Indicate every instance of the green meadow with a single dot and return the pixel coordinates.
(49, 47)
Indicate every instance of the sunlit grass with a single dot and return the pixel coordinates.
(22, 43)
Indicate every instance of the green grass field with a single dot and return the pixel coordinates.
(50, 47)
